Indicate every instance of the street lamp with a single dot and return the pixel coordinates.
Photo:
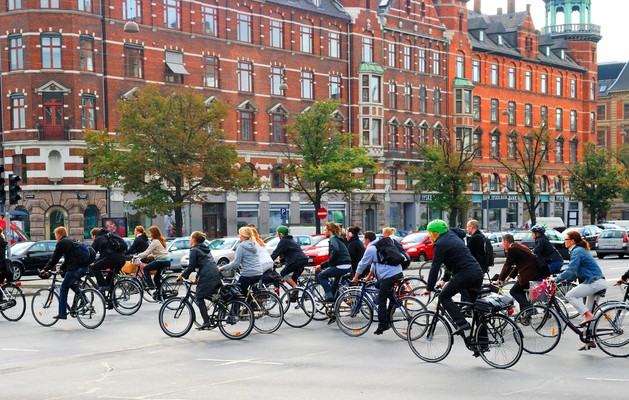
(487, 192)
(131, 27)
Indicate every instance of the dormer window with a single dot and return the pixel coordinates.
(500, 40)
(481, 36)
(547, 51)
(317, 3)
(563, 54)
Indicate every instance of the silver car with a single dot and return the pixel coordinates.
(612, 241)
(304, 241)
(496, 242)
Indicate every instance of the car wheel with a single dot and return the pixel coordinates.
(222, 261)
(621, 255)
(17, 272)
(600, 256)
(422, 257)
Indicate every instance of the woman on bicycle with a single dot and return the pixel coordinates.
(140, 243)
(339, 262)
(546, 251)
(247, 259)
(266, 262)
(582, 266)
(3, 255)
(355, 247)
(208, 278)
(161, 258)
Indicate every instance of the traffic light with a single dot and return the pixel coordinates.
(3, 194)
(14, 189)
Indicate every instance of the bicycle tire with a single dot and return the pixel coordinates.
(504, 343)
(318, 295)
(299, 311)
(411, 286)
(169, 287)
(353, 314)
(45, 305)
(401, 315)
(176, 316)
(16, 311)
(429, 336)
(235, 319)
(268, 311)
(126, 297)
(541, 328)
(560, 292)
(611, 330)
(90, 308)
(424, 271)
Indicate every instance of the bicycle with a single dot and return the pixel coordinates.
(298, 304)
(88, 305)
(542, 329)
(323, 310)
(354, 309)
(267, 308)
(13, 304)
(493, 336)
(227, 311)
(168, 286)
(124, 296)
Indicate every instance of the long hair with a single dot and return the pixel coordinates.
(140, 230)
(333, 227)
(578, 240)
(247, 233)
(256, 236)
(157, 234)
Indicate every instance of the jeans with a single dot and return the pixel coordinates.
(114, 262)
(576, 295)
(246, 281)
(459, 281)
(385, 287)
(519, 295)
(324, 279)
(70, 281)
(157, 265)
(555, 266)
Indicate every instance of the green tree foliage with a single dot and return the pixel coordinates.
(169, 149)
(447, 171)
(622, 156)
(595, 181)
(320, 158)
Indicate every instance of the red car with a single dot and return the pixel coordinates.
(419, 246)
(318, 253)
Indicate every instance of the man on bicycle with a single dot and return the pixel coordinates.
(71, 267)
(291, 255)
(109, 258)
(462, 271)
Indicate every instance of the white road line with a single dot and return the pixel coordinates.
(607, 379)
(231, 362)
(28, 350)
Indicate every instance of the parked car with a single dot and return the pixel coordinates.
(177, 248)
(185, 260)
(606, 225)
(612, 241)
(496, 243)
(588, 232)
(418, 245)
(304, 241)
(319, 252)
(29, 257)
(224, 251)
(555, 237)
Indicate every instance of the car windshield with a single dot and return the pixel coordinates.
(522, 236)
(414, 238)
(323, 243)
(222, 244)
(19, 249)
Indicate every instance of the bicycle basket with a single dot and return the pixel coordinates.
(230, 292)
(539, 291)
(493, 304)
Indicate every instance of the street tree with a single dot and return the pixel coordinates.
(447, 169)
(528, 155)
(169, 150)
(622, 156)
(320, 159)
(595, 181)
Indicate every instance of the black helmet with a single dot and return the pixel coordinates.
(538, 229)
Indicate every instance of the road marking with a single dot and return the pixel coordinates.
(607, 379)
(231, 362)
(28, 350)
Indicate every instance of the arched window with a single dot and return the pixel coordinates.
(494, 182)
(543, 183)
(90, 220)
(476, 183)
(277, 177)
(55, 217)
(55, 166)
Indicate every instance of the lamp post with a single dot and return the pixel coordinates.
(487, 192)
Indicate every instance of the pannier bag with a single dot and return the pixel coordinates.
(493, 304)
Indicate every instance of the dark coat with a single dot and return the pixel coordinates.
(356, 250)
(65, 249)
(140, 244)
(208, 277)
(476, 244)
(3, 250)
(455, 256)
(290, 252)
(338, 253)
(101, 244)
(521, 262)
(546, 250)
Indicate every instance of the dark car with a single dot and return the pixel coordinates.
(588, 232)
(555, 237)
(29, 257)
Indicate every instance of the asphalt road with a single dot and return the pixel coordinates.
(130, 358)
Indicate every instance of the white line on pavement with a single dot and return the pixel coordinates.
(31, 350)
(607, 379)
(230, 362)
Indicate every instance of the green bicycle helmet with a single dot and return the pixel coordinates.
(438, 226)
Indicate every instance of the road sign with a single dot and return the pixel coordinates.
(322, 213)
(283, 213)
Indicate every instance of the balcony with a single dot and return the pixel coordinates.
(53, 132)
(573, 30)
(401, 153)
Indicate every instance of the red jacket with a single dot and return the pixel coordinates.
(521, 262)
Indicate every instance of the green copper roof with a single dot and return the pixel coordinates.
(462, 82)
(370, 68)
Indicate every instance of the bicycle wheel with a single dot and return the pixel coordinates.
(353, 314)
(560, 292)
(611, 330)
(45, 305)
(541, 328)
(268, 311)
(429, 336)
(90, 308)
(176, 316)
(500, 344)
(299, 307)
(424, 271)
(169, 287)
(235, 319)
(411, 286)
(14, 307)
(318, 294)
(127, 297)
(402, 314)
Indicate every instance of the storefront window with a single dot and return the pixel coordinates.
(247, 214)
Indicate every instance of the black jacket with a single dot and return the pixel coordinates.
(140, 243)
(65, 249)
(209, 278)
(3, 250)
(454, 255)
(290, 252)
(546, 250)
(101, 244)
(476, 244)
(356, 250)
(338, 253)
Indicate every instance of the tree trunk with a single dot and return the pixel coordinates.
(178, 222)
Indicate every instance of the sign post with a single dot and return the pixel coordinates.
(322, 213)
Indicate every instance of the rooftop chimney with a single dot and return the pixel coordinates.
(528, 8)
(477, 6)
(510, 6)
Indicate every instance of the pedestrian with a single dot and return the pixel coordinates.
(291, 255)
(339, 261)
(247, 259)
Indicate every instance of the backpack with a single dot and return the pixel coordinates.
(489, 254)
(388, 253)
(116, 243)
(81, 252)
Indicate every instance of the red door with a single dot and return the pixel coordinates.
(53, 118)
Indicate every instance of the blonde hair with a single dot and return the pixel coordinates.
(256, 236)
(94, 231)
(61, 231)
(199, 237)
(388, 231)
(247, 233)
(157, 234)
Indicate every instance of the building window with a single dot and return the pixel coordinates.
(476, 108)
(334, 44)
(422, 60)
(625, 110)
(88, 112)
(437, 134)
(86, 53)
(460, 67)
(544, 146)
(423, 134)
(306, 39)
(277, 78)
(422, 99)
(245, 77)
(51, 51)
(494, 110)
(543, 115)
(278, 128)
(463, 101)
(494, 182)
(243, 28)
(601, 137)
(132, 10)
(494, 74)
(511, 111)
(18, 112)
(49, 3)
(393, 139)
(16, 53)
(408, 136)
(19, 167)
(14, 5)
(370, 88)
(406, 57)
(246, 125)
(211, 68)
(393, 174)
(408, 97)
(172, 14)
(437, 100)
(528, 114)
(335, 86)
(371, 132)
(573, 120)
(559, 150)
(574, 151)
(391, 55)
(134, 61)
(436, 63)
(513, 146)
(276, 36)
(464, 139)
(559, 119)
(392, 96)
(592, 122)
(475, 70)
(512, 77)
(592, 91)
(85, 5)
(559, 83)
(601, 113)
(210, 21)
(277, 177)
(528, 81)
(495, 146)
(367, 49)
(175, 69)
(307, 85)
(543, 86)
(573, 88)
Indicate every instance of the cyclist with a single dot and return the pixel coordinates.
(339, 261)
(71, 267)
(140, 243)
(582, 266)
(266, 262)
(247, 259)
(161, 259)
(476, 243)
(355, 246)
(291, 254)
(208, 278)
(463, 271)
(3, 261)
(623, 278)
(109, 258)
(386, 274)
(546, 251)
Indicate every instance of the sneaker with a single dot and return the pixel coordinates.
(205, 325)
(381, 329)
(461, 328)
(60, 316)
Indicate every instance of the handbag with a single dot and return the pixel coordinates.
(9, 269)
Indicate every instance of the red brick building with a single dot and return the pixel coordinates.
(396, 66)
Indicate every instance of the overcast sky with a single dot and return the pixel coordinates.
(610, 15)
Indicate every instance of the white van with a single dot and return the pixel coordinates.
(550, 222)
(624, 223)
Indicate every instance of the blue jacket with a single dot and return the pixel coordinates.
(338, 253)
(452, 252)
(582, 265)
(381, 271)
